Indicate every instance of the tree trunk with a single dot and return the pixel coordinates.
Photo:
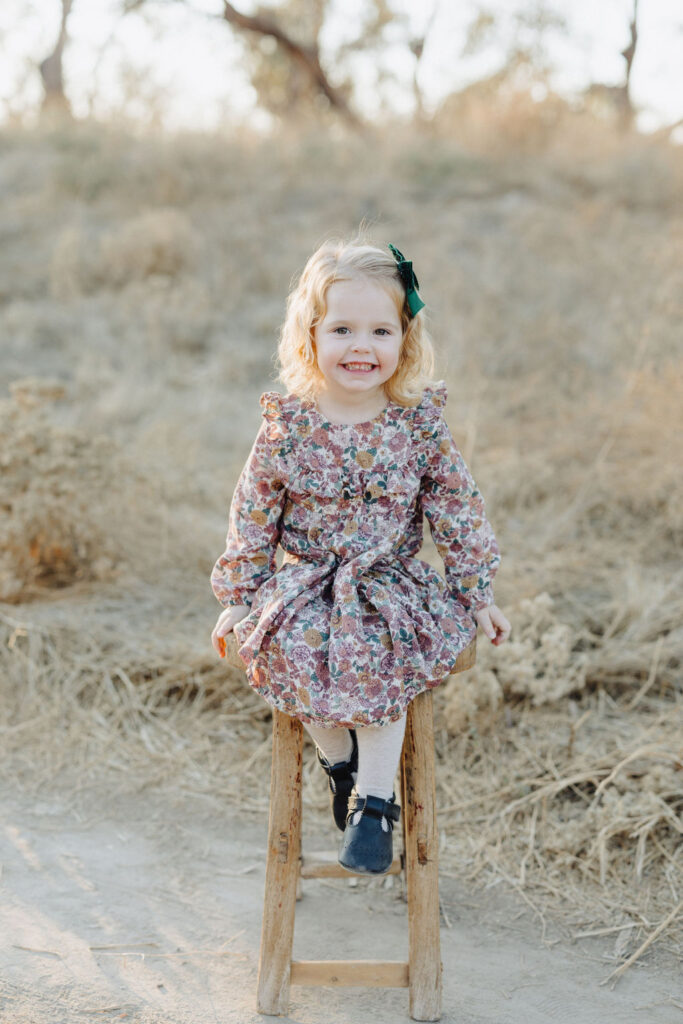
(627, 108)
(55, 100)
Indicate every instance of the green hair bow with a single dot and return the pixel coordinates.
(410, 282)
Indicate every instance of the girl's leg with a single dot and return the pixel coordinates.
(379, 751)
(336, 744)
(338, 755)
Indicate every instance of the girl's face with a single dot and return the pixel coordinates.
(358, 341)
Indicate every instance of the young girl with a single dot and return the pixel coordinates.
(344, 467)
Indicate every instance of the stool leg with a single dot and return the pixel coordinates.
(421, 853)
(282, 866)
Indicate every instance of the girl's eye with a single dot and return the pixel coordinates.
(345, 330)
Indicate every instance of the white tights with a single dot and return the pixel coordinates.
(379, 751)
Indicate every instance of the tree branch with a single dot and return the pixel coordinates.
(306, 57)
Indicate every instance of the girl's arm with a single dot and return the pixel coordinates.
(457, 519)
(253, 527)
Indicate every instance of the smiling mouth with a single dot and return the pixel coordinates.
(359, 367)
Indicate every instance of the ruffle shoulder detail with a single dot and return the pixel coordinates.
(271, 405)
(278, 407)
(276, 410)
(430, 409)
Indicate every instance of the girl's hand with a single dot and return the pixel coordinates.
(226, 620)
(494, 624)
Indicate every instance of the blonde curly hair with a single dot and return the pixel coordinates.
(339, 260)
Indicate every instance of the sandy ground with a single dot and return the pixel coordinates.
(148, 909)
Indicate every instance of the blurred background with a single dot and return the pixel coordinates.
(166, 168)
(205, 65)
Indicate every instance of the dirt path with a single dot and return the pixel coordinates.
(147, 909)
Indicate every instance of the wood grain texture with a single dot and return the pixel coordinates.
(326, 865)
(282, 866)
(368, 973)
(421, 839)
(231, 649)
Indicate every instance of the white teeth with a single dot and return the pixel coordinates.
(359, 366)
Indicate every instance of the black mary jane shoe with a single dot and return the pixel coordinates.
(341, 781)
(366, 849)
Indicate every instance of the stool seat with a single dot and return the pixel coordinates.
(285, 865)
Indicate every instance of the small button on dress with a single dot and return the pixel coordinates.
(353, 625)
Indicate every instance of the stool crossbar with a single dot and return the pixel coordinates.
(286, 865)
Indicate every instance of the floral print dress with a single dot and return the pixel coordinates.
(353, 625)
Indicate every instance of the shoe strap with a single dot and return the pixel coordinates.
(340, 770)
(375, 807)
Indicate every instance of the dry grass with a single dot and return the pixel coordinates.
(141, 297)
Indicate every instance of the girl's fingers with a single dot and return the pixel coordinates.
(501, 636)
(218, 642)
(218, 636)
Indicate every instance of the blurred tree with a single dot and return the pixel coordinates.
(284, 49)
(522, 40)
(628, 54)
(506, 103)
(417, 46)
(54, 99)
(616, 99)
(284, 55)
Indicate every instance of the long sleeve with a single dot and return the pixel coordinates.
(456, 514)
(254, 522)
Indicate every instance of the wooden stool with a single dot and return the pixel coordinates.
(285, 865)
